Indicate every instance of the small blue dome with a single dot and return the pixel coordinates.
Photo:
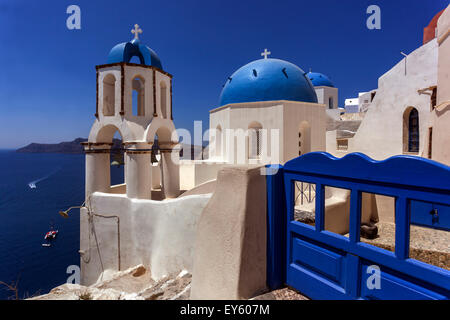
(319, 79)
(123, 52)
(268, 80)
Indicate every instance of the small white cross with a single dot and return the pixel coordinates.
(266, 53)
(136, 31)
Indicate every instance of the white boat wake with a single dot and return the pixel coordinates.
(32, 184)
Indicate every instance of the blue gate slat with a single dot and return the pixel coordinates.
(401, 228)
(355, 215)
(276, 248)
(403, 170)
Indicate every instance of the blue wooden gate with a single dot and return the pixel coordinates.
(325, 265)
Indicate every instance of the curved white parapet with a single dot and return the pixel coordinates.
(157, 234)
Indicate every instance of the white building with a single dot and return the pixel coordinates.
(326, 91)
(365, 99)
(352, 105)
(399, 116)
(361, 103)
(135, 99)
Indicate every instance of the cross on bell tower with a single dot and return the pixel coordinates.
(136, 31)
(266, 53)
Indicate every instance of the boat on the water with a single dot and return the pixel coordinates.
(51, 235)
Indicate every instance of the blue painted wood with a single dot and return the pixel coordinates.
(428, 214)
(401, 228)
(352, 284)
(378, 256)
(394, 287)
(398, 170)
(318, 259)
(324, 265)
(276, 216)
(355, 215)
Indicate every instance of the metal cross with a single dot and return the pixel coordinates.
(266, 53)
(136, 31)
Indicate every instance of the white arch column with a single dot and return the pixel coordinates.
(138, 170)
(170, 159)
(98, 177)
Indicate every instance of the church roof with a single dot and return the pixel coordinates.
(123, 52)
(268, 80)
(319, 79)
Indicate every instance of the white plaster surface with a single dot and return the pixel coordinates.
(381, 132)
(285, 116)
(158, 234)
(230, 251)
(196, 172)
(440, 117)
(325, 93)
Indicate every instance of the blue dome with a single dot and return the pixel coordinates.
(319, 79)
(123, 52)
(268, 80)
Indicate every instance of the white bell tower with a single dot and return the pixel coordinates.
(134, 99)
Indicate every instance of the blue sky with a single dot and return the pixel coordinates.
(47, 79)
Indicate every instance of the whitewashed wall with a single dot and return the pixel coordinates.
(381, 132)
(157, 234)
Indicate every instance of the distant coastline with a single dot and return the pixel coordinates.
(75, 147)
(70, 147)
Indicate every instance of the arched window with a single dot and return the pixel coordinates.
(163, 96)
(304, 138)
(112, 175)
(413, 137)
(411, 130)
(138, 97)
(255, 140)
(109, 95)
(218, 141)
(161, 137)
(117, 170)
(156, 165)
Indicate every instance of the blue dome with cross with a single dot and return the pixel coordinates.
(268, 80)
(124, 52)
(319, 79)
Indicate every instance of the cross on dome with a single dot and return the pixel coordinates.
(136, 31)
(266, 53)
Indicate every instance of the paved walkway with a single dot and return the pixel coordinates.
(281, 294)
(426, 245)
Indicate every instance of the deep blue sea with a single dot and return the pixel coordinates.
(27, 214)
